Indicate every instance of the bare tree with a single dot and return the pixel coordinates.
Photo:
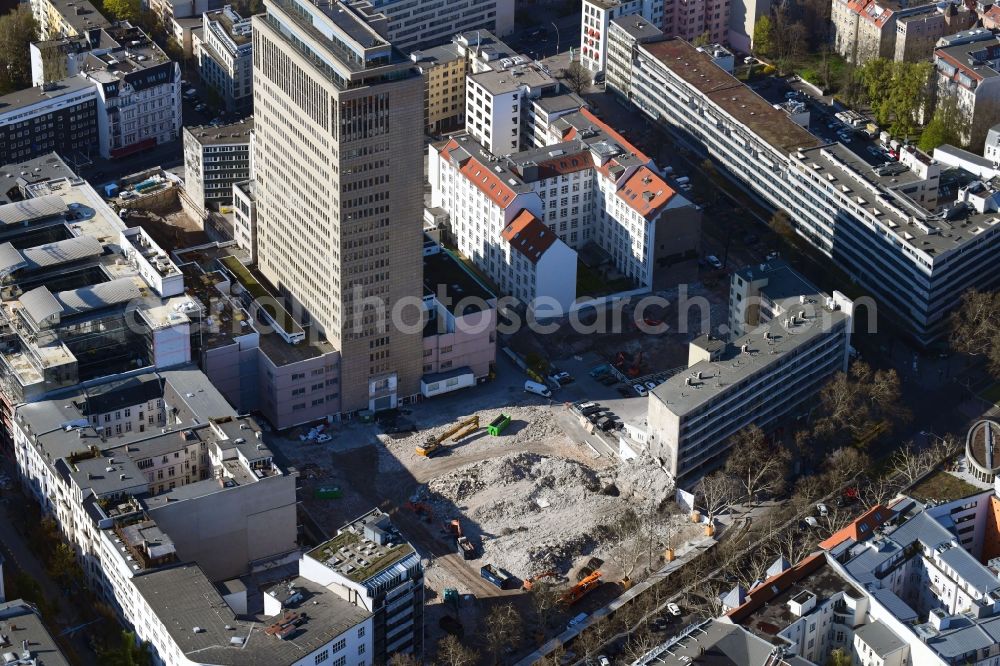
(403, 659)
(878, 490)
(577, 77)
(545, 602)
(752, 567)
(759, 468)
(909, 463)
(639, 643)
(503, 628)
(808, 489)
(717, 491)
(590, 642)
(451, 652)
(790, 545)
(626, 543)
(858, 404)
(844, 464)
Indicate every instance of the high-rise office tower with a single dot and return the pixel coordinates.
(338, 156)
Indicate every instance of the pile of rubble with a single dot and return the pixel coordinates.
(533, 513)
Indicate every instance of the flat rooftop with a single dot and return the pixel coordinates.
(22, 99)
(19, 623)
(356, 556)
(931, 233)
(443, 274)
(637, 27)
(731, 95)
(222, 135)
(80, 14)
(207, 630)
(710, 642)
(499, 82)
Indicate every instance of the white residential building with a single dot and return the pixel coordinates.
(968, 68)
(595, 23)
(991, 149)
(224, 51)
(215, 159)
(890, 228)
(585, 184)
(788, 340)
(496, 103)
(624, 33)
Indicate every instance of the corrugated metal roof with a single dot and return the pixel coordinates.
(10, 259)
(968, 569)
(62, 252)
(32, 209)
(100, 295)
(40, 304)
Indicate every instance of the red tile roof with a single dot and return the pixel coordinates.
(645, 192)
(483, 178)
(565, 164)
(775, 585)
(529, 236)
(860, 529)
(619, 139)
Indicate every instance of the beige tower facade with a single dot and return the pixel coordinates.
(338, 158)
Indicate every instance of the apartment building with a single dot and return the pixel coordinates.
(186, 531)
(497, 103)
(26, 641)
(412, 24)
(53, 117)
(325, 240)
(224, 52)
(66, 18)
(929, 575)
(786, 343)
(917, 33)
(444, 69)
(864, 29)
(585, 186)
(215, 159)
(369, 563)
(624, 33)
(460, 334)
(968, 68)
(595, 24)
(170, 11)
(245, 217)
(84, 296)
(139, 93)
(991, 147)
(743, 17)
(914, 244)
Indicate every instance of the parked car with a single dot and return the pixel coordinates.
(323, 438)
(773, 254)
(651, 385)
(823, 511)
(811, 522)
(561, 377)
(674, 609)
(641, 390)
(713, 261)
(537, 389)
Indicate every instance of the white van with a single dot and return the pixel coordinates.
(537, 389)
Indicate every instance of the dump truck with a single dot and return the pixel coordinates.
(498, 425)
(495, 575)
(465, 548)
(581, 589)
(460, 429)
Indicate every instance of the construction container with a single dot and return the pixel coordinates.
(498, 425)
(495, 575)
(328, 492)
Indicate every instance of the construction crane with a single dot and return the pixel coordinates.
(530, 582)
(578, 591)
(456, 432)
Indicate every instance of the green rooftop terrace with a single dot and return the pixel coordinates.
(354, 562)
(265, 301)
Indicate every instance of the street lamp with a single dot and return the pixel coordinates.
(558, 39)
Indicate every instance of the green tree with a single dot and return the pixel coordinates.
(839, 658)
(17, 30)
(897, 92)
(63, 566)
(763, 36)
(701, 40)
(123, 10)
(944, 127)
(129, 652)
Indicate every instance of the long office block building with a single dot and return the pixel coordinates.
(66, 18)
(912, 234)
(410, 24)
(224, 53)
(60, 117)
(215, 159)
(788, 339)
(336, 104)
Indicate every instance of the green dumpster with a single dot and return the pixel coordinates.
(328, 492)
(498, 424)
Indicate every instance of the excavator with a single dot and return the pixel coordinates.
(530, 582)
(455, 433)
(578, 591)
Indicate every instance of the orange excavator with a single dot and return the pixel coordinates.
(530, 582)
(581, 589)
